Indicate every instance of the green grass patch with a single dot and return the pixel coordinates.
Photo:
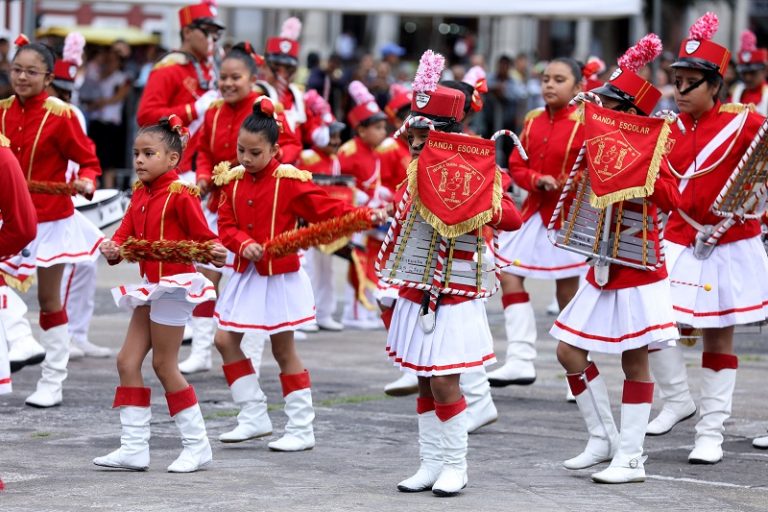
(751, 358)
(40, 435)
(329, 402)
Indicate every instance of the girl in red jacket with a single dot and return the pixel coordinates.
(552, 138)
(261, 199)
(44, 136)
(218, 143)
(163, 207)
(714, 287)
(625, 314)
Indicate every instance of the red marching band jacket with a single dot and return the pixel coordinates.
(218, 139)
(166, 209)
(45, 135)
(172, 88)
(395, 157)
(363, 162)
(711, 131)
(317, 161)
(665, 198)
(256, 207)
(552, 142)
(19, 226)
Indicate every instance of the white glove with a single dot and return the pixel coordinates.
(360, 197)
(383, 193)
(321, 136)
(203, 102)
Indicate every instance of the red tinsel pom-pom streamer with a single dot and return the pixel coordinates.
(56, 188)
(174, 251)
(319, 233)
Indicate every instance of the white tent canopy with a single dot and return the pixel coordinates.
(545, 8)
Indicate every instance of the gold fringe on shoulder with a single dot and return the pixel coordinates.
(578, 114)
(289, 171)
(4, 142)
(137, 185)
(171, 59)
(452, 231)
(736, 108)
(650, 181)
(177, 187)
(533, 114)
(57, 107)
(222, 174)
(16, 283)
(7, 102)
(348, 148)
(309, 157)
(217, 103)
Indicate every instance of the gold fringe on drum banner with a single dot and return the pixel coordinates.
(319, 233)
(175, 251)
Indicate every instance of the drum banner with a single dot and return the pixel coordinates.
(454, 183)
(624, 152)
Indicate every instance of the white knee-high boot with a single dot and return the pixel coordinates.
(592, 399)
(671, 377)
(520, 326)
(481, 410)
(453, 448)
(135, 415)
(429, 449)
(717, 384)
(252, 346)
(55, 340)
(252, 420)
(188, 417)
(299, 434)
(203, 331)
(627, 464)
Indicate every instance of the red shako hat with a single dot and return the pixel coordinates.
(366, 108)
(750, 57)
(699, 52)
(399, 97)
(202, 13)
(65, 69)
(434, 101)
(284, 49)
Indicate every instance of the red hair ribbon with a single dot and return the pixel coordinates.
(481, 86)
(22, 40)
(266, 106)
(177, 126)
(255, 56)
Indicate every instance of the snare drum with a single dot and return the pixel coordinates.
(106, 208)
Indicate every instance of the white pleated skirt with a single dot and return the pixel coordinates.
(460, 342)
(197, 288)
(528, 252)
(614, 321)
(5, 364)
(737, 274)
(70, 240)
(212, 218)
(266, 304)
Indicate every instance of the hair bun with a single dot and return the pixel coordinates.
(174, 124)
(247, 48)
(264, 106)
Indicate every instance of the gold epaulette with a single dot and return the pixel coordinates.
(4, 142)
(57, 107)
(223, 174)
(389, 144)
(289, 171)
(217, 103)
(16, 283)
(736, 108)
(171, 59)
(7, 102)
(349, 148)
(533, 114)
(309, 157)
(137, 185)
(179, 186)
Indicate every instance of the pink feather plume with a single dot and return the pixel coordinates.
(428, 74)
(74, 44)
(704, 27)
(474, 74)
(291, 29)
(646, 49)
(360, 93)
(316, 103)
(396, 89)
(748, 41)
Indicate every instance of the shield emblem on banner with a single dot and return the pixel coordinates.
(610, 154)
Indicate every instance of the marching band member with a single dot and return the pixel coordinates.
(32, 119)
(359, 158)
(322, 159)
(163, 209)
(18, 228)
(218, 143)
(459, 339)
(620, 309)
(395, 151)
(714, 286)
(261, 199)
(552, 138)
(282, 58)
(751, 66)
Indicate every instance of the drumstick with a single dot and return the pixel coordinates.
(707, 287)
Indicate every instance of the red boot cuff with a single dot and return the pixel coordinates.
(51, 320)
(180, 400)
(205, 309)
(137, 397)
(424, 405)
(514, 298)
(234, 371)
(447, 411)
(637, 392)
(576, 383)
(386, 317)
(715, 361)
(294, 382)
